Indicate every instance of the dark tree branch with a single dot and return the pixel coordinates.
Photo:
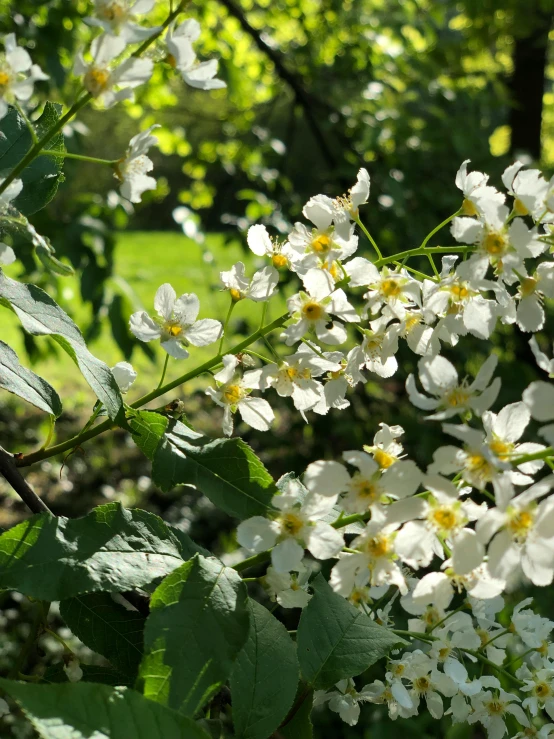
(302, 96)
(11, 473)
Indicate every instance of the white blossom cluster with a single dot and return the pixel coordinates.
(445, 541)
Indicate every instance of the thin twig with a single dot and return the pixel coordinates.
(9, 470)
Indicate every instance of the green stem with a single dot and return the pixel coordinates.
(35, 150)
(256, 559)
(369, 237)
(494, 666)
(162, 378)
(224, 329)
(438, 228)
(267, 360)
(264, 312)
(415, 635)
(168, 21)
(519, 657)
(544, 454)
(439, 623)
(65, 446)
(423, 251)
(79, 157)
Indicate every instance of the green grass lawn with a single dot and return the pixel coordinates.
(145, 260)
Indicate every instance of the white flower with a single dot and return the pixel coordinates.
(7, 254)
(294, 378)
(124, 375)
(490, 709)
(528, 188)
(100, 79)
(474, 188)
(338, 383)
(540, 685)
(427, 682)
(261, 244)
(17, 74)
(261, 287)
(533, 629)
(542, 360)
(347, 207)
(379, 345)
(532, 290)
(344, 700)
(288, 589)
(395, 289)
(312, 310)
(539, 398)
(183, 57)
(439, 378)
(444, 516)
(9, 194)
(297, 525)
(438, 588)
(503, 431)
(132, 169)
(233, 395)
(375, 562)
(176, 325)
(116, 18)
(501, 243)
(73, 670)
(523, 531)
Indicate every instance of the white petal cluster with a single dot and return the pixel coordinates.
(18, 75)
(132, 170)
(117, 17)
(182, 57)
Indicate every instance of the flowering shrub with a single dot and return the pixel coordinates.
(392, 566)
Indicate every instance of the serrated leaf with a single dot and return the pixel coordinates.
(264, 679)
(197, 625)
(86, 710)
(336, 640)
(300, 724)
(147, 429)
(25, 384)
(226, 470)
(42, 176)
(111, 549)
(41, 316)
(107, 628)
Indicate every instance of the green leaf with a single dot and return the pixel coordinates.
(300, 725)
(86, 710)
(42, 176)
(148, 428)
(188, 547)
(40, 316)
(91, 674)
(226, 470)
(336, 640)
(25, 384)
(265, 676)
(111, 549)
(107, 628)
(197, 625)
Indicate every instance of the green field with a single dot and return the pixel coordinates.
(145, 260)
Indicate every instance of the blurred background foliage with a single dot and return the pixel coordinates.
(315, 89)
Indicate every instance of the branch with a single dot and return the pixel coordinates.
(8, 469)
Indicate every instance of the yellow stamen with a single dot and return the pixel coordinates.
(501, 449)
(444, 518)
(378, 547)
(4, 80)
(312, 311)
(96, 80)
(383, 458)
(468, 208)
(232, 394)
(321, 243)
(459, 292)
(291, 524)
(520, 522)
(527, 286)
(279, 261)
(422, 684)
(236, 295)
(520, 208)
(390, 288)
(495, 244)
(174, 330)
(457, 398)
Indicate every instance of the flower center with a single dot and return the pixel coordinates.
(527, 286)
(502, 449)
(431, 616)
(468, 208)
(96, 80)
(383, 458)
(519, 523)
(332, 268)
(232, 394)
(457, 397)
(365, 488)
(291, 524)
(495, 707)
(321, 243)
(477, 465)
(459, 292)
(390, 288)
(379, 546)
(174, 329)
(444, 518)
(113, 11)
(410, 323)
(422, 684)
(236, 295)
(542, 690)
(312, 311)
(4, 81)
(495, 244)
(279, 261)
(444, 653)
